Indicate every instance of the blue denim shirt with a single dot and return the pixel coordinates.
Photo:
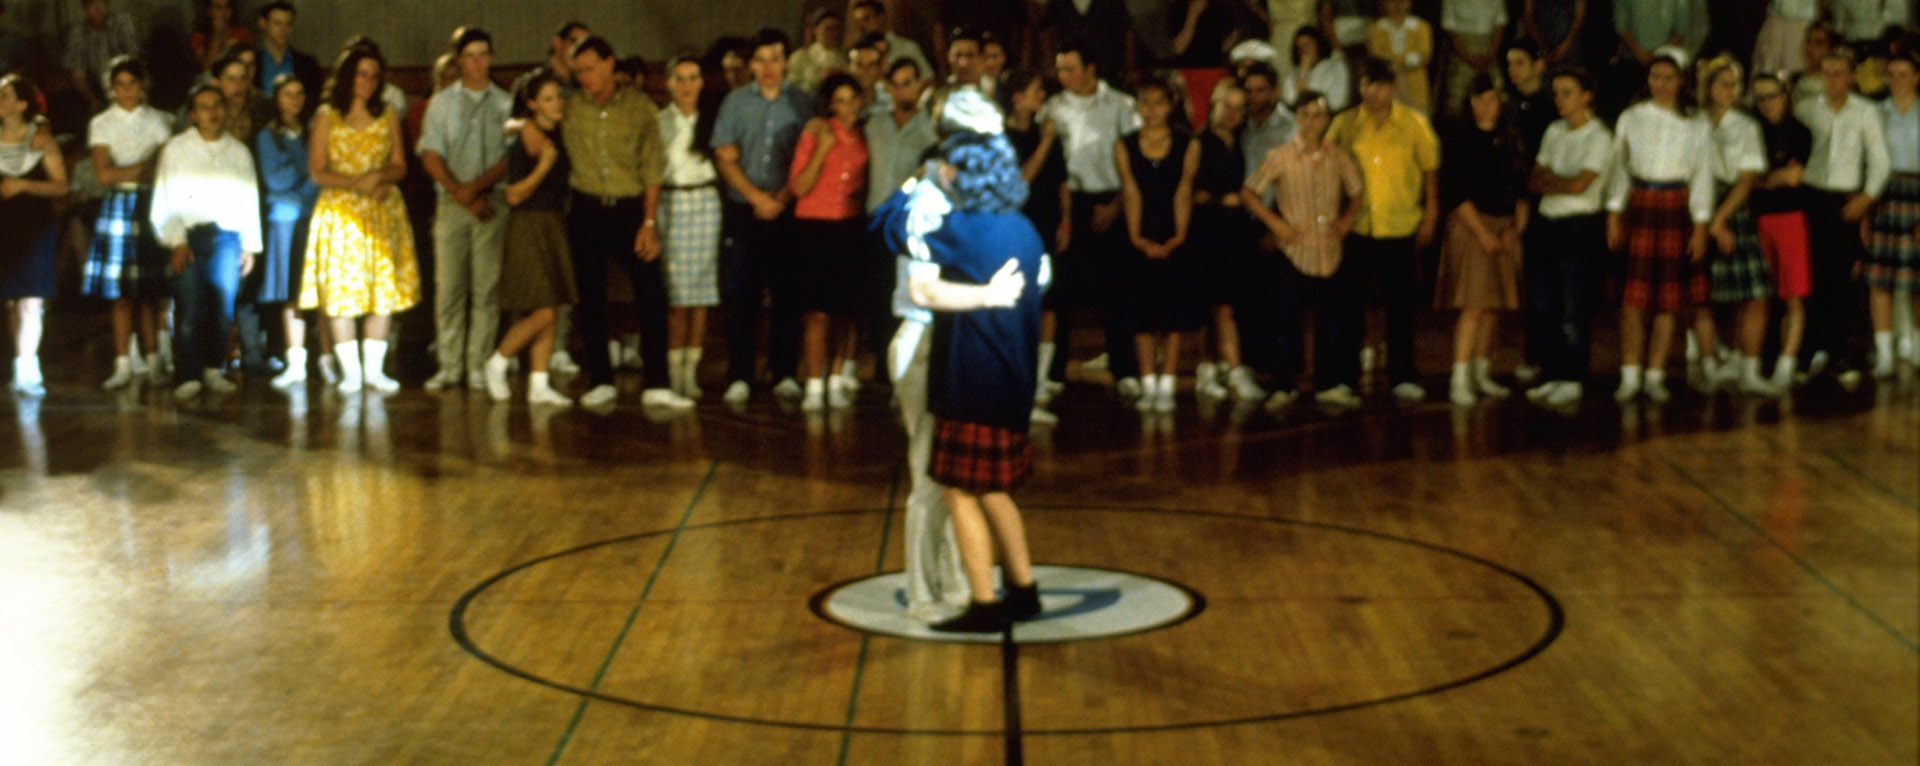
(765, 130)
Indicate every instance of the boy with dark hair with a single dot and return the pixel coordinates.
(464, 150)
(615, 133)
(1399, 157)
(277, 54)
(753, 144)
(206, 210)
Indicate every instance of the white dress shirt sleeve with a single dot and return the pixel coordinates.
(1700, 199)
(168, 209)
(1879, 161)
(1620, 179)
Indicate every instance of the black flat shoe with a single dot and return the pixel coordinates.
(1022, 602)
(989, 617)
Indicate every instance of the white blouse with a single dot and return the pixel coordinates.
(1658, 145)
(683, 167)
(201, 181)
(1328, 77)
(130, 135)
(1739, 147)
(1567, 153)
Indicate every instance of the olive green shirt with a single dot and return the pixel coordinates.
(615, 147)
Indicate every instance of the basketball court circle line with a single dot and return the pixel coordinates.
(1556, 621)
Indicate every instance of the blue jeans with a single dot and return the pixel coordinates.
(203, 295)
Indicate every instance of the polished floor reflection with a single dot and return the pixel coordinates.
(436, 578)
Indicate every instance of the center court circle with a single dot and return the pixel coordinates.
(1077, 603)
(1449, 598)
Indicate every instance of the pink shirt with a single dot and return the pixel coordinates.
(1309, 188)
(836, 194)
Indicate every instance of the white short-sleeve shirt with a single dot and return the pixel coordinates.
(1567, 153)
(1739, 148)
(130, 135)
(1088, 127)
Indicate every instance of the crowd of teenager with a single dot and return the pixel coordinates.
(1280, 177)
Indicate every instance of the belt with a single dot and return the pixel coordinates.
(690, 187)
(1659, 185)
(604, 200)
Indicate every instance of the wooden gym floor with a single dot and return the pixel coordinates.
(319, 580)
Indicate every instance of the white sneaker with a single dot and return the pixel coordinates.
(27, 379)
(494, 377)
(1818, 363)
(187, 390)
(1525, 373)
(1460, 392)
(330, 370)
(664, 398)
(137, 362)
(561, 363)
(1782, 380)
(1483, 381)
(850, 376)
(446, 377)
(477, 376)
(1279, 400)
(1656, 389)
(1565, 393)
(840, 390)
(1882, 366)
(378, 381)
(1409, 392)
(1245, 388)
(1752, 383)
(1207, 372)
(216, 382)
(815, 399)
(159, 372)
(296, 372)
(542, 395)
(1543, 391)
(737, 392)
(1163, 393)
(1339, 396)
(122, 376)
(1042, 416)
(787, 388)
(604, 393)
(1096, 363)
(1629, 388)
(1127, 388)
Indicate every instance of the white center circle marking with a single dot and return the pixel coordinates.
(1077, 604)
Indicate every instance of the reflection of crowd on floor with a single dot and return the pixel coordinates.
(1705, 168)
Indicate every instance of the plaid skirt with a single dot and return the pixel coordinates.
(690, 234)
(1741, 275)
(1658, 276)
(1893, 257)
(979, 458)
(123, 261)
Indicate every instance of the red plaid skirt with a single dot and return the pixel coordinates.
(1659, 275)
(978, 458)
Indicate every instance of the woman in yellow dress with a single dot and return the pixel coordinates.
(360, 264)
